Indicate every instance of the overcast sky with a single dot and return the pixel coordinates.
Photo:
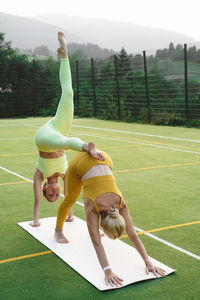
(177, 15)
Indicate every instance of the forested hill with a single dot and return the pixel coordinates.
(34, 37)
(114, 34)
(28, 33)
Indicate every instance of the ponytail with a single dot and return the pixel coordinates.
(114, 224)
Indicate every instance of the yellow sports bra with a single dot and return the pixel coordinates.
(95, 186)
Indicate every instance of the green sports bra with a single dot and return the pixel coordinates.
(50, 166)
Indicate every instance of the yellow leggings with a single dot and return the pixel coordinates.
(92, 187)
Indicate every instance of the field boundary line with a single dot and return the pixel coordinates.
(130, 170)
(18, 154)
(7, 183)
(139, 232)
(157, 167)
(165, 228)
(24, 256)
(144, 141)
(114, 172)
(31, 181)
(20, 125)
(109, 130)
(17, 138)
(136, 142)
(138, 229)
(170, 244)
(138, 133)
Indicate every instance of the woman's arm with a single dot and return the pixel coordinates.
(93, 228)
(124, 211)
(37, 187)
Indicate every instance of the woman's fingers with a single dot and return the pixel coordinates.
(160, 271)
(155, 270)
(119, 280)
(147, 270)
(113, 280)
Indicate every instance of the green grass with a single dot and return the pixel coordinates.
(161, 190)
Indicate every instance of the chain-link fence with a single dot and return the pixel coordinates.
(158, 87)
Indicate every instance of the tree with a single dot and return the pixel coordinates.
(178, 54)
(151, 60)
(41, 50)
(162, 53)
(138, 62)
(123, 62)
(171, 48)
(192, 53)
(5, 53)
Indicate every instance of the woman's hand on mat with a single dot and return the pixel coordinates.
(112, 279)
(34, 224)
(155, 270)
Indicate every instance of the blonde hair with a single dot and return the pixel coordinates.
(114, 224)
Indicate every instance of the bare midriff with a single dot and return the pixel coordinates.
(50, 155)
(105, 200)
(56, 175)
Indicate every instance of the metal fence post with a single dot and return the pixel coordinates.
(33, 91)
(93, 87)
(117, 87)
(186, 84)
(147, 86)
(77, 85)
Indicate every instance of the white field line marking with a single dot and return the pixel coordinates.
(17, 138)
(138, 133)
(35, 126)
(139, 143)
(116, 139)
(110, 130)
(138, 229)
(170, 244)
(13, 173)
(20, 125)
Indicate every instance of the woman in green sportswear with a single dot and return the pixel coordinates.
(51, 140)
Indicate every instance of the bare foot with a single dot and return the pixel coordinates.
(60, 238)
(90, 148)
(63, 46)
(70, 219)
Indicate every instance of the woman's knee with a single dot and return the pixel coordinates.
(67, 93)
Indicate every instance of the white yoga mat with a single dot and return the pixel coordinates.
(81, 256)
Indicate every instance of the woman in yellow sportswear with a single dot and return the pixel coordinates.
(51, 140)
(104, 201)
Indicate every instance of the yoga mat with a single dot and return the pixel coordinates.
(81, 256)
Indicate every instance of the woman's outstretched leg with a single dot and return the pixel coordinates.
(53, 135)
(64, 114)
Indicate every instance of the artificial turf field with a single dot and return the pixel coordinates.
(157, 170)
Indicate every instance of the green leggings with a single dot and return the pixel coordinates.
(52, 136)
